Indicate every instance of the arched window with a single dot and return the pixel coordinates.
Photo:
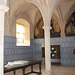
(22, 33)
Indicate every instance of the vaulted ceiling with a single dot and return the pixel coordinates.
(24, 9)
(18, 7)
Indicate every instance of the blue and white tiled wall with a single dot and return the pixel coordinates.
(13, 52)
(67, 44)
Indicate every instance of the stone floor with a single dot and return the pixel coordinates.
(56, 70)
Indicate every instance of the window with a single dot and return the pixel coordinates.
(20, 34)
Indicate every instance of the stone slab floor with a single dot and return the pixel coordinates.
(56, 70)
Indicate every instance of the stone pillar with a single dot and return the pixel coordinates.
(3, 9)
(63, 30)
(47, 49)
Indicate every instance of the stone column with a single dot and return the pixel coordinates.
(63, 30)
(47, 49)
(3, 9)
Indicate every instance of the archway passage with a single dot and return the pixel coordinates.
(70, 26)
(39, 32)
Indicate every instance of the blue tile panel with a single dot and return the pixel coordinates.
(67, 44)
(13, 52)
(33, 52)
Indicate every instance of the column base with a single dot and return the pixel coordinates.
(47, 73)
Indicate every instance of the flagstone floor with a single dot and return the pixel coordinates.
(56, 70)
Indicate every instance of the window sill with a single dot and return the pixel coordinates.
(22, 44)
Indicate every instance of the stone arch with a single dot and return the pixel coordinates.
(25, 16)
(37, 18)
(62, 21)
(15, 14)
(38, 30)
(69, 14)
(21, 12)
(55, 31)
(36, 3)
(57, 19)
(71, 10)
(20, 4)
(56, 5)
(54, 16)
(14, 19)
(70, 25)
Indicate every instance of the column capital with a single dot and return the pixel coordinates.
(47, 27)
(62, 34)
(3, 7)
